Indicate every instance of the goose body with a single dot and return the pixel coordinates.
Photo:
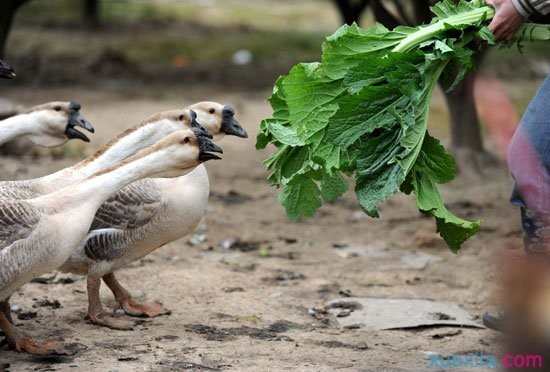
(42, 222)
(38, 235)
(50, 124)
(126, 144)
(141, 218)
(28, 224)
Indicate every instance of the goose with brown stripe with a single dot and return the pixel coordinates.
(141, 218)
(125, 144)
(122, 146)
(38, 235)
(50, 124)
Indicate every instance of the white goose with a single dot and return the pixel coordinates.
(139, 219)
(126, 144)
(37, 235)
(51, 124)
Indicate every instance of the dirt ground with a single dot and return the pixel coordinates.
(247, 309)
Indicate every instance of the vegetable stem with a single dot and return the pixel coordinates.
(426, 33)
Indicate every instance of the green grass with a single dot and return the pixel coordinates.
(188, 34)
(172, 33)
(263, 14)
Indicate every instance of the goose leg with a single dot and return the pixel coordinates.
(96, 314)
(22, 343)
(5, 308)
(128, 304)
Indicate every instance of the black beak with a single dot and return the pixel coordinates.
(77, 120)
(6, 71)
(72, 133)
(197, 127)
(230, 125)
(207, 149)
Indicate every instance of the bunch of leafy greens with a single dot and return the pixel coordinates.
(363, 110)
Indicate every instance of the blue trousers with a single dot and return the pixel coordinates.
(529, 164)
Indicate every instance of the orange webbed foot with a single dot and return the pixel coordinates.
(147, 310)
(109, 321)
(28, 345)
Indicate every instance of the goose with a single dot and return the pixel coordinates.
(139, 219)
(125, 144)
(122, 146)
(37, 235)
(50, 124)
(6, 71)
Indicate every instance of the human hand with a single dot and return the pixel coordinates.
(506, 21)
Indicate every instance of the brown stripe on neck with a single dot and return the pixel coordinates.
(103, 149)
(165, 142)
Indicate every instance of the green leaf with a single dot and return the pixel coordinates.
(435, 165)
(285, 134)
(301, 197)
(328, 155)
(333, 186)
(453, 229)
(351, 45)
(363, 112)
(310, 98)
(371, 190)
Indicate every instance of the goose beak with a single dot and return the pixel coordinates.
(207, 149)
(6, 71)
(77, 120)
(230, 125)
(197, 127)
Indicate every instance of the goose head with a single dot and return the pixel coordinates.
(180, 152)
(218, 119)
(55, 123)
(6, 71)
(189, 145)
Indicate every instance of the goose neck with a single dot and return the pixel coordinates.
(124, 146)
(16, 126)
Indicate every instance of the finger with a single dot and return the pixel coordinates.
(512, 34)
(508, 34)
(498, 30)
(495, 25)
(500, 35)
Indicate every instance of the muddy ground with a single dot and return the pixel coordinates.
(246, 309)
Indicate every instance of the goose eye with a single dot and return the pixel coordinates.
(181, 117)
(212, 110)
(57, 108)
(185, 140)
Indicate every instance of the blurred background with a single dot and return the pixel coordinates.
(151, 47)
(124, 60)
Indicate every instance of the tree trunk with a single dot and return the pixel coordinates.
(7, 13)
(466, 136)
(422, 12)
(90, 13)
(351, 11)
(465, 131)
(383, 16)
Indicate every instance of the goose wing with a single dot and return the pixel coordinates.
(18, 219)
(130, 208)
(105, 244)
